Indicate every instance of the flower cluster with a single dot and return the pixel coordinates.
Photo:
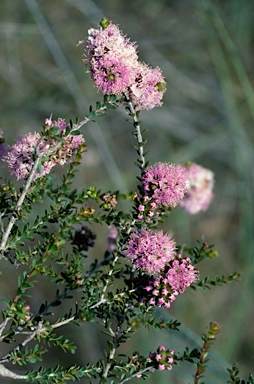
(70, 142)
(148, 89)
(22, 154)
(115, 68)
(165, 184)
(109, 201)
(162, 359)
(200, 189)
(177, 277)
(150, 250)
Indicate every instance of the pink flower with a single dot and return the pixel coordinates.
(177, 276)
(200, 190)
(21, 156)
(181, 275)
(69, 145)
(112, 74)
(162, 359)
(148, 89)
(150, 250)
(161, 301)
(165, 183)
(112, 58)
(115, 68)
(151, 301)
(110, 39)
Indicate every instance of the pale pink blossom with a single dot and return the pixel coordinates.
(22, 154)
(165, 184)
(150, 250)
(200, 189)
(162, 359)
(115, 68)
(178, 275)
(148, 89)
(112, 59)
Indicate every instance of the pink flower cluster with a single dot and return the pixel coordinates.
(69, 144)
(200, 190)
(115, 68)
(178, 276)
(150, 250)
(165, 184)
(162, 359)
(21, 155)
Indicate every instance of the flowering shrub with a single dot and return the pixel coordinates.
(141, 267)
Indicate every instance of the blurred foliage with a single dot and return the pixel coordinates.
(205, 49)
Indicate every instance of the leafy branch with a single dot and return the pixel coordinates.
(207, 283)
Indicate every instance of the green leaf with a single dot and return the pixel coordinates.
(55, 131)
(75, 132)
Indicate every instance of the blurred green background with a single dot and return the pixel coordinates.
(205, 50)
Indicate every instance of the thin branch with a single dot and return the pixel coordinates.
(31, 336)
(138, 134)
(4, 372)
(116, 335)
(1, 222)
(20, 201)
(134, 375)
(108, 279)
(3, 325)
(64, 322)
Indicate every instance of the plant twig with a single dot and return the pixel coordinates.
(133, 113)
(4, 372)
(29, 338)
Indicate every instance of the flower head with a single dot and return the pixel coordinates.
(20, 157)
(112, 59)
(200, 190)
(165, 183)
(115, 68)
(69, 145)
(162, 290)
(22, 154)
(148, 89)
(162, 359)
(150, 250)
